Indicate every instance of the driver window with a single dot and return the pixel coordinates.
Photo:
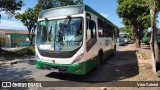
(91, 34)
(88, 32)
(91, 29)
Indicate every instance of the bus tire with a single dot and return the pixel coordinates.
(114, 50)
(100, 57)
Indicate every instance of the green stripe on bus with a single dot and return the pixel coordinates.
(80, 69)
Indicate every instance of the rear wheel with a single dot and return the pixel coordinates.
(114, 51)
(100, 58)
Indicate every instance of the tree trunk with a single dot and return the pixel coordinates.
(156, 49)
(152, 54)
(31, 39)
(133, 31)
(157, 56)
(31, 42)
(139, 38)
(136, 36)
(140, 35)
(153, 42)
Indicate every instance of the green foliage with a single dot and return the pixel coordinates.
(46, 4)
(126, 29)
(135, 14)
(17, 53)
(132, 11)
(29, 19)
(10, 6)
(150, 4)
(30, 16)
(154, 5)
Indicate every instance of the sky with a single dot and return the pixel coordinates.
(107, 8)
(12, 23)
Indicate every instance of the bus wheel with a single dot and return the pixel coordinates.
(114, 51)
(100, 58)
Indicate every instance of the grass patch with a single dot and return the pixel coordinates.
(17, 53)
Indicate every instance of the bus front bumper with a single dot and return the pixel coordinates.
(63, 68)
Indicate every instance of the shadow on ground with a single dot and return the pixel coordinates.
(11, 74)
(31, 62)
(123, 65)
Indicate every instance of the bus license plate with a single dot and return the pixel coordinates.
(54, 70)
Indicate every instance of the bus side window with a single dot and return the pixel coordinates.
(91, 34)
(100, 28)
(88, 36)
(91, 29)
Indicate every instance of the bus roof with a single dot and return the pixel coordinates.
(87, 8)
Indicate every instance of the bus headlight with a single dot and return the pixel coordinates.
(78, 58)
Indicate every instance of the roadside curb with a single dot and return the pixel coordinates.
(16, 61)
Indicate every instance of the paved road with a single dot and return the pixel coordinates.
(109, 71)
(28, 71)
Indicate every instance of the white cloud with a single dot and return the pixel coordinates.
(10, 23)
(105, 15)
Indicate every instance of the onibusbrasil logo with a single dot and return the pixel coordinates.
(20, 84)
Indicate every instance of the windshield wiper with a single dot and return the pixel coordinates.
(50, 34)
(65, 24)
(67, 21)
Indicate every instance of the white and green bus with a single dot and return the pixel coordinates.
(73, 39)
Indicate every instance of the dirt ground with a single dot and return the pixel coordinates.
(129, 57)
(145, 64)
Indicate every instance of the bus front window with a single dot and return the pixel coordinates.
(56, 36)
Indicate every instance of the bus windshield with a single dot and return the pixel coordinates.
(57, 35)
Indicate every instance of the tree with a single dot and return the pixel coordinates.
(10, 6)
(30, 16)
(131, 11)
(46, 4)
(154, 6)
(142, 14)
(143, 23)
(29, 19)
